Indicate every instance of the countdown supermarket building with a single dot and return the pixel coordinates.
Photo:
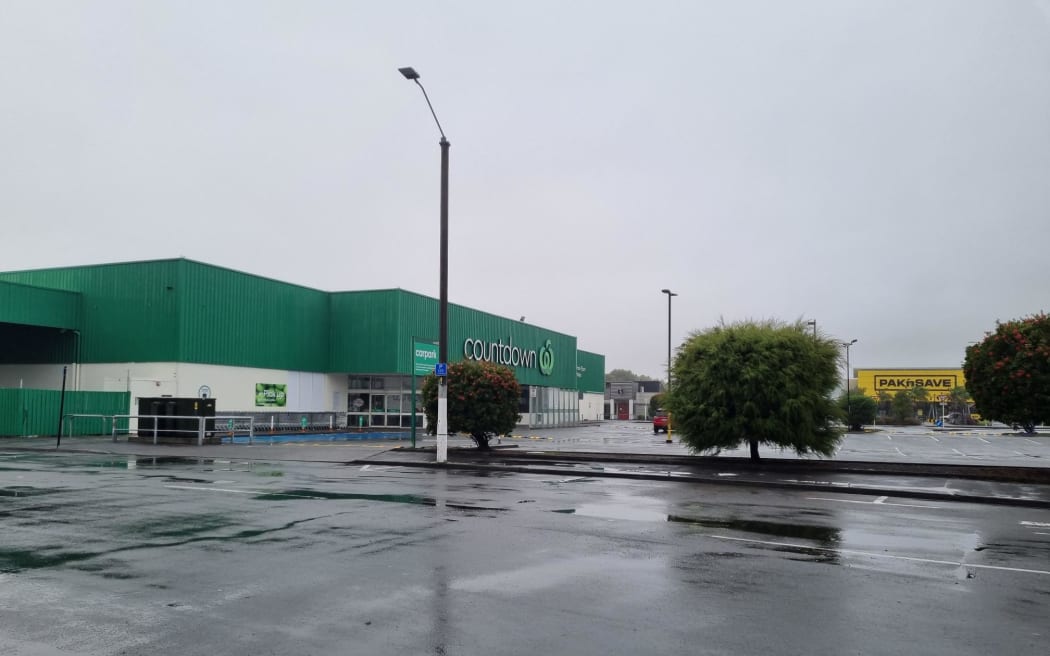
(267, 348)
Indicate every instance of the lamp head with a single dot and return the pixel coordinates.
(409, 73)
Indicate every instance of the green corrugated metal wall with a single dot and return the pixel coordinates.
(233, 318)
(26, 412)
(128, 311)
(591, 370)
(365, 331)
(372, 333)
(465, 323)
(35, 306)
(181, 310)
(186, 311)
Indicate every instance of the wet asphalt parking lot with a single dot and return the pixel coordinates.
(117, 554)
(959, 445)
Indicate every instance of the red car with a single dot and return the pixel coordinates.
(659, 423)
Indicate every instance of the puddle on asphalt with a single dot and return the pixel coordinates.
(320, 494)
(639, 512)
(652, 510)
(571, 480)
(26, 491)
(822, 534)
(411, 499)
(95, 462)
(608, 511)
(179, 526)
(15, 560)
(623, 506)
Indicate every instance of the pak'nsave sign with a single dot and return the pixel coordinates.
(943, 381)
(507, 354)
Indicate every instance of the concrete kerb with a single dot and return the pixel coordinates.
(469, 463)
(813, 487)
(1001, 474)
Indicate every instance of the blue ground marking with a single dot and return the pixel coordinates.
(315, 437)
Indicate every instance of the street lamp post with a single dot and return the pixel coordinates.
(849, 404)
(442, 415)
(670, 294)
(813, 322)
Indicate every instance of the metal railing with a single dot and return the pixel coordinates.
(165, 425)
(70, 417)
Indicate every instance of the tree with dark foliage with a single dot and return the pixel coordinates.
(483, 400)
(760, 383)
(1008, 372)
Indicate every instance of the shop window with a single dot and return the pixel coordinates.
(406, 421)
(358, 403)
(357, 421)
(393, 383)
(378, 403)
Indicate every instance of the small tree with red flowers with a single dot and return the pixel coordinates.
(1008, 373)
(483, 400)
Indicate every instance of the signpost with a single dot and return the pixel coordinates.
(424, 362)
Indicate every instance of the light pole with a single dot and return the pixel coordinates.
(849, 404)
(670, 295)
(442, 415)
(813, 322)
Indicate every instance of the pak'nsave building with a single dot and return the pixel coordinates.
(272, 349)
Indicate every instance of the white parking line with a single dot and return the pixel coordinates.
(869, 554)
(933, 438)
(1019, 453)
(1032, 441)
(900, 452)
(889, 438)
(876, 502)
(959, 452)
(210, 489)
(984, 440)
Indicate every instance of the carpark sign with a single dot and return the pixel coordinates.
(424, 358)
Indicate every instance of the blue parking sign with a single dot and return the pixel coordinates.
(441, 369)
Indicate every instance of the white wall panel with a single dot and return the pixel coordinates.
(33, 376)
(233, 388)
(592, 406)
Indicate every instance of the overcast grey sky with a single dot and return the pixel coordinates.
(882, 167)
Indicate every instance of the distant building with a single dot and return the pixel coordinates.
(630, 399)
(937, 382)
(883, 384)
